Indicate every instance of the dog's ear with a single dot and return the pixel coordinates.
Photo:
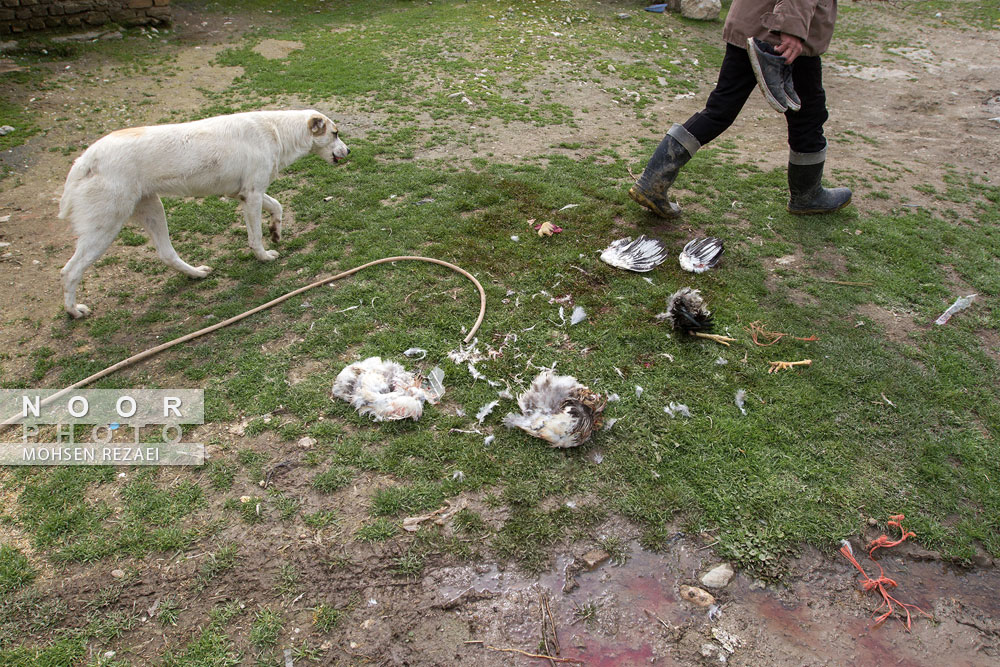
(317, 125)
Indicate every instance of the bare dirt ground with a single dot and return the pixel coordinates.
(922, 110)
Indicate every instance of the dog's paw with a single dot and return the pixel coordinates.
(201, 271)
(268, 255)
(78, 311)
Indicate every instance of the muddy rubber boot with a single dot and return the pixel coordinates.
(769, 69)
(808, 196)
(673, 153)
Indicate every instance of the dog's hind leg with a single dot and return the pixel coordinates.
(149, 213)
(93, 241)
(272, 206)
(252, 203)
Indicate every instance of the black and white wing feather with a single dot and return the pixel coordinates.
(700, 255)
(641, 255)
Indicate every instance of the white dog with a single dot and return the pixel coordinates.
(123, 175)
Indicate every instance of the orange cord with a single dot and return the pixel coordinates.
(883, 583)
(757, 329)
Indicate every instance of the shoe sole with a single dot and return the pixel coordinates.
(641, 200)
(759, 75)
(816, 211)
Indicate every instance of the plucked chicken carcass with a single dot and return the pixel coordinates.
(384, 390)
(558, 409)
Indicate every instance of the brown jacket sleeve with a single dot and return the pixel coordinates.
(791, 16)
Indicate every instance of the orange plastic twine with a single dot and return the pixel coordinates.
(883, 583)
(758, 331)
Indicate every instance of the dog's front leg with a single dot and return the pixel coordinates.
(252, 203)
(272, 206)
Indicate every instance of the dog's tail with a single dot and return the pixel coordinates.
(80, 171)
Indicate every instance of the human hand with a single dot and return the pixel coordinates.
(790, 47)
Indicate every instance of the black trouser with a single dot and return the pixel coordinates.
(736, 82)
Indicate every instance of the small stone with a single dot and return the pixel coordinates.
(718, 576)
(697, 596)
(245, 499)
(594, 558)
(872, 522)
(118, 574)
(623, 15)
(306, 442)
(108, 655)
(702, 10)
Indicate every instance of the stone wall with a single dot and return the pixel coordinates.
(19, 16)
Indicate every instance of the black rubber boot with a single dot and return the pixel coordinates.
(808, 196)
(673, 153)
(771, 73)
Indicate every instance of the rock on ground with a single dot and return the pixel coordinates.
(703, 10)
(718, 576)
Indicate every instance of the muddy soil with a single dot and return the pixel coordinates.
(924, 111)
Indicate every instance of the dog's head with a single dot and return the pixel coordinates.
(326, 141)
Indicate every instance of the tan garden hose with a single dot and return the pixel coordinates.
(274, 302)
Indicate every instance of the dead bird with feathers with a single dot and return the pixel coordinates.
(558, 409)
(688, 313)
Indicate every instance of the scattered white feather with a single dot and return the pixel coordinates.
(648, 279)
(613, 398)
(579, 315)
(417, 353)
(486, 410)
(474, 372)
(465, 354)
(383, 390)
(675, 409)
(598, 458)
(458, 476)
(568, 206)
(721, 362)
(562, 316)
(610, 423)
(641, 255)
(741, 397)
(700, 255)
(488, 440)
(515, 238)
(638, 391)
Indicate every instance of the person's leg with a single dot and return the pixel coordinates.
(807, 145)
(736, 82)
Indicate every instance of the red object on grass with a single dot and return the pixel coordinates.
(883, 583)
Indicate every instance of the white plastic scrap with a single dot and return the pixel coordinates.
(436, 381)
(675, 409)
(486, 410)
(960, 304)
(579, 315)
(741, 397)
(416, 353)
